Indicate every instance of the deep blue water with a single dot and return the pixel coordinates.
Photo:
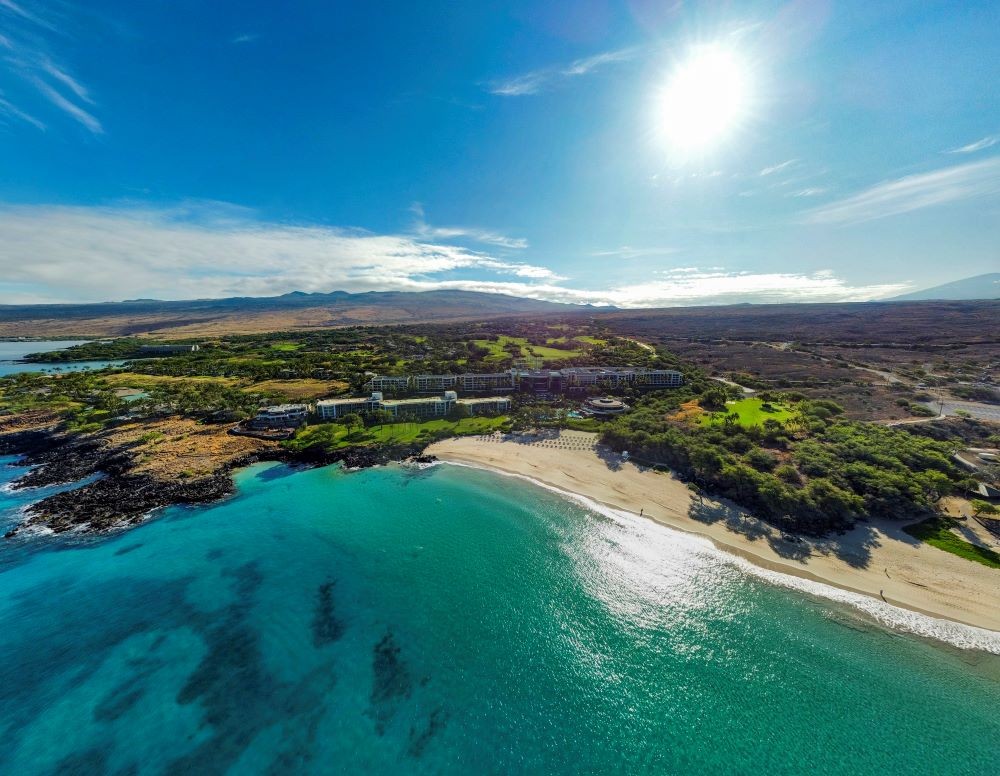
(452, 621)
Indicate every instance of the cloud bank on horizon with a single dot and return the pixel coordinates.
(200, 250)
(632, 154)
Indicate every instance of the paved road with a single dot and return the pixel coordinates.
(746, 391)
(975, 409)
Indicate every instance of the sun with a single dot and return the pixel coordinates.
(706, 98)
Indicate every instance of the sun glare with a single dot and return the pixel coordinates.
(705, 99)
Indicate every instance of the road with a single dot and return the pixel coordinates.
(975, 409)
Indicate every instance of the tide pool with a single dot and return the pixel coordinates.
(448, 620)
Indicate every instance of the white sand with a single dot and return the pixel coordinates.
(876, 559)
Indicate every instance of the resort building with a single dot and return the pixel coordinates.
(330, 409)
(474, 382)
(605, 406)
(166, 350)
(432, 383)
(493, 381)
(280, 416)
(541, 382)
(387, 383)
(430, 407)
(615, 376)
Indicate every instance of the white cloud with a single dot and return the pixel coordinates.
(10, 109)
(914, 192)
(536, 81)
(69, 107)
(65, 79)
(529, 83)
(19, 10)
(26, 38)
(808, 192)
(628, 252)
(486, 236)
(778, 167)
(696, 289)
(214, 250)
(979, 145)
(198, 250)
(246, 37)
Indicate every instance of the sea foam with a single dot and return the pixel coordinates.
(896, 618)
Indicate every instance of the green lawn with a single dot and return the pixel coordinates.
(936, 532)
(497, 353)
(552, 354)
(286, 347)
(750, 411)
(334, 436)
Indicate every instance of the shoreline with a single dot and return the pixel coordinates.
(875, 563)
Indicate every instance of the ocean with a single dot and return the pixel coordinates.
(11, 351)
(451, 620)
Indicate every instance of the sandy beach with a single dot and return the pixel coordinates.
(876, 559)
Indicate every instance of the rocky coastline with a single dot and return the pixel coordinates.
(123, 496)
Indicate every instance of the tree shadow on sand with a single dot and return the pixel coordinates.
(611, 459)
(853, 547)
(735, 520)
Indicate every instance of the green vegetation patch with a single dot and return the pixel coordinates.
(336, 436)
(750, 412)
(496, 347)
(937, 532)
(286, 347)
(552, 354)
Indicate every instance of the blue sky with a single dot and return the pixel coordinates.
(192, 149)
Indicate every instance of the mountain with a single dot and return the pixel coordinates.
(235, 315)
(979, 287)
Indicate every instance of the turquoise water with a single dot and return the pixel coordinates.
(450, 620)
(12, 352)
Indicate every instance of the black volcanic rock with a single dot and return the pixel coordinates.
(121, 497)
(116, 501)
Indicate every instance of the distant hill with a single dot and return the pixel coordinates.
(979, 287)
(235, 315)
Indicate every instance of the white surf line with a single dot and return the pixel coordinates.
(893, 617)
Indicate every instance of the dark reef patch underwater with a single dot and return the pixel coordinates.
(440, 621)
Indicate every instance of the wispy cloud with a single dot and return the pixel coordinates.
(913, 192)
(16, 9)
(59, 253)
(628, 252)
(980, 145)
(65, 79)
(485, 236)
(246, 37)
(9, 109)
(808, 192)
(71, 108)
(778, 167)
(536, 81)
(26, 39)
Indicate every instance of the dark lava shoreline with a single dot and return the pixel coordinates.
(121, 498)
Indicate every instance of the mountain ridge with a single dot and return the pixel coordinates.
(985, 286)
(297, 309)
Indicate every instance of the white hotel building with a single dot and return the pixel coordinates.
(582, 376)
(430, 407)
(473, 382)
